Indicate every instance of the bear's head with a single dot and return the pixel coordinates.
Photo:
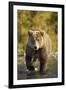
(36, 38)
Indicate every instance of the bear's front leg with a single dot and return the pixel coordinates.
(29, 65)
(43, 66)
(43, 60)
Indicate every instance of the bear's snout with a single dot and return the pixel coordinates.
(35, 47)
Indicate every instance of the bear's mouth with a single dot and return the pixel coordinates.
(35, 48)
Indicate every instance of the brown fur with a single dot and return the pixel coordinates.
(38, 46)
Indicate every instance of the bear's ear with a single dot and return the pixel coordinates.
(29, 32)
(42, 33)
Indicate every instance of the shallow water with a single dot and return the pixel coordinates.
(51, 71)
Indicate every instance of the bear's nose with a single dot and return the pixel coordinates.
(35, 47)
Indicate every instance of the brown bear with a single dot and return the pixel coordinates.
(38, 46)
